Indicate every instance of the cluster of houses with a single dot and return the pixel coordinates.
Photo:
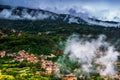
(52, 68)
(48, 66)
(23, 56)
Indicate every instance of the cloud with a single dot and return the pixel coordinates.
(96, 55)
(8, 14)
(103, 9)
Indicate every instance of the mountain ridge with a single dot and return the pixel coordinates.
(24, 13)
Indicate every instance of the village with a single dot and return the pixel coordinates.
(48, 67)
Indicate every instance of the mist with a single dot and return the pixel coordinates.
(103, 10)
(34, 15)
(94, 55)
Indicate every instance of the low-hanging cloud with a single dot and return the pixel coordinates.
(24, 14)
(96, 56)
(104, 9)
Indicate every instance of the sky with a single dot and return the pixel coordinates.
(102, 9)
(62, 3)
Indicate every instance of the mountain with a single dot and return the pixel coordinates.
(15, 19)
(91, 20)
(23, 13)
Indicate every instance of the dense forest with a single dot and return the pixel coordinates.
(42, 36)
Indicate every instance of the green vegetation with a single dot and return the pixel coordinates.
(43, 37)
(59, 30)
(31, 43)
(13, 70)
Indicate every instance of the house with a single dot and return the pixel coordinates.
(12, 55)
(116, 77)
(98, 52)
(52, 69)
(69, 77)
(51, 56)
(2, 54)
(105, 78)
(55, 68)
(46, 64)
(21, 52)
(81, 77)
(48, 70)
(43, 57)
(43, 64)
(49, 67)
